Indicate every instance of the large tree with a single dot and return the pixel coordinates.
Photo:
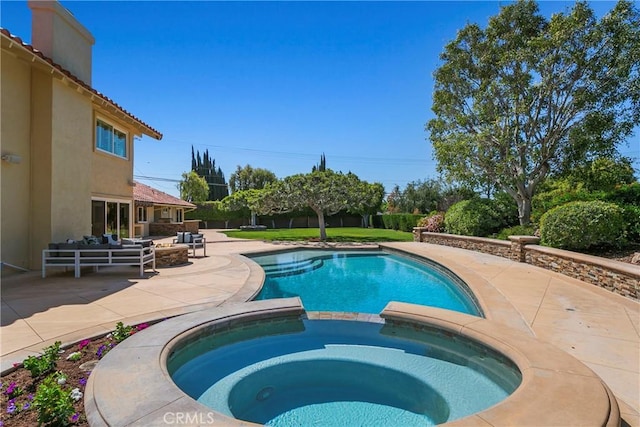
(325, 192)
(205, 166)
(193, 188)
(250, 178)
(526, 95)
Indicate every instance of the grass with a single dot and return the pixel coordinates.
(343, 234)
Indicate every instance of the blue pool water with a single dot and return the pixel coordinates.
(359, 281)
(341, 373)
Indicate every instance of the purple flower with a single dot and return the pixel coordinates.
(30, 396)
(10, 389)
(26, 406)
(83, 382)
(101, 350)
(75, 417)
(11, 407)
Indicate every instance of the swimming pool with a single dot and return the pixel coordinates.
(339, 373)
(361, 281)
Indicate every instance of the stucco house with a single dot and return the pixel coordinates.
(159, 213)
(67, 149)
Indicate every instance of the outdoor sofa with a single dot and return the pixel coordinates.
(193, 240)
(88, 253)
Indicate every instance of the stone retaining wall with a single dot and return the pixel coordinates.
(619, 277)
(170, 229)
(480, 244)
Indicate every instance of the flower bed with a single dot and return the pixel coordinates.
(49, 389)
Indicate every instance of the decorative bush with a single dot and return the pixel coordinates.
(475, 217)
(518, 230)
(433, 223)
(631, 215)
(583, 225)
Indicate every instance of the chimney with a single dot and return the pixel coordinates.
(57, 34)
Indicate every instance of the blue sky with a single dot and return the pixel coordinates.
(276, 84)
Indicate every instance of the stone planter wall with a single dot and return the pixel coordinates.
(480, 244)
(170, 229)
(619, 277)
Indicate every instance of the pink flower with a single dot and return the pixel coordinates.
(83, 344)
(142, 326)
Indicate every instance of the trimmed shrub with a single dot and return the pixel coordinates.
(583, 225)
(518, 230)
(402, 222)
(433, 223)
(475, 217)
(631, 215)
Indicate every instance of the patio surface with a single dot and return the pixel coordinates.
(599, 328)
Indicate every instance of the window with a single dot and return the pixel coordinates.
(142, 214)
(178, 215)
(110, 139)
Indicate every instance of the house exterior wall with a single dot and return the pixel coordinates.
(15, 125)
(72, 136)
(48, 119)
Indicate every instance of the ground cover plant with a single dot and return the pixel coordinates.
(48, 390)
(346, 234)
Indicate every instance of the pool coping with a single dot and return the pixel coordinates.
(131, 386)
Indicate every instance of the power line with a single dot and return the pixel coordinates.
(359, 159)
(157, 178)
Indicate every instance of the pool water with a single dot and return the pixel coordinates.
(341, 373)
(360, 281)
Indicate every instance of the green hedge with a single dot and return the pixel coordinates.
(583, 225)
(402, 222)
(212, 211)
(475, 217)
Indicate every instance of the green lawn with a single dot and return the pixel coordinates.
(345, 234)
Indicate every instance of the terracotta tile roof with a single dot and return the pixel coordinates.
(148, 130)
(148, 195)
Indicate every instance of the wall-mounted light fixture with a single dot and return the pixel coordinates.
(11, 158)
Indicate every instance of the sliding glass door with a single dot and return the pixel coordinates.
(110, 217)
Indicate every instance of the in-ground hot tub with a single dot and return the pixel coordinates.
(133, 382)
(341, 372)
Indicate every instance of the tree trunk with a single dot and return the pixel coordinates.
(524, 209)
(365, 221)
(253, 219)
(323, 230)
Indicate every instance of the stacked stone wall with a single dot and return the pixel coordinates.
(170, 229)
(618, 277)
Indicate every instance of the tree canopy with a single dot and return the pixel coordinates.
(193, 188)
(325, 192)
(526, 95)
(250, 178)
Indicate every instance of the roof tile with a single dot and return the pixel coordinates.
(144, 193)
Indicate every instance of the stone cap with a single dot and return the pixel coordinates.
(525, 239)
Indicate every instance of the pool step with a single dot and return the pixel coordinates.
(293, 268)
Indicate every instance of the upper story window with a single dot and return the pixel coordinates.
(110, 139)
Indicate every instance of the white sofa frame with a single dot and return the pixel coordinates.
(133, 255)
(199, 242)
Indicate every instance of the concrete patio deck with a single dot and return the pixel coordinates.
(599, 328)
